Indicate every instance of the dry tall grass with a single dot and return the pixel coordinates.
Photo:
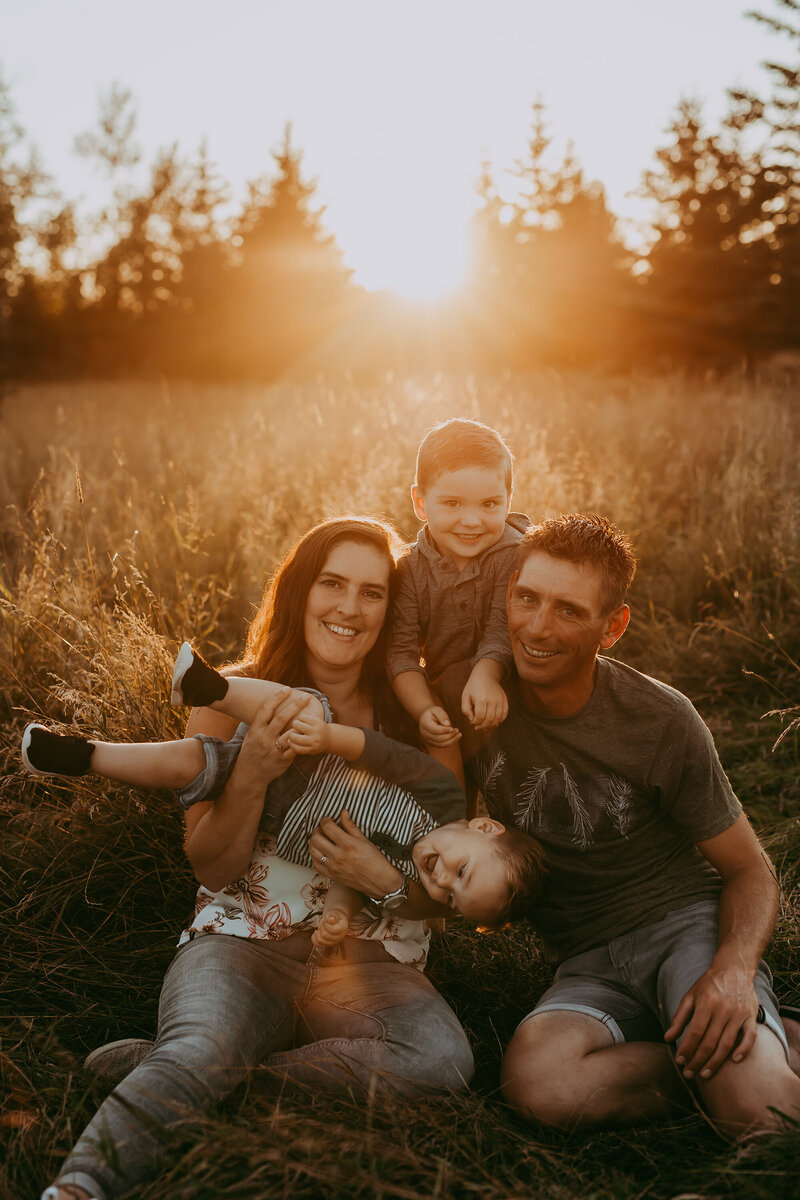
(135, 515)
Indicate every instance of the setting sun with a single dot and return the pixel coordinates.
(413, 267)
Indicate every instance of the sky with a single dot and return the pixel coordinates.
(395, 103)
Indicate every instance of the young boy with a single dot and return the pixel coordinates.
(479, 868)
(452, 601)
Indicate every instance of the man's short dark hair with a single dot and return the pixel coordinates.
(586, 539)
(461, 443)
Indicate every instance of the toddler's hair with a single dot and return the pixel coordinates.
(461, 443)
(526, 867)
(586, 539)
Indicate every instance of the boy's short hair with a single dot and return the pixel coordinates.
(461, 443)
(586, 539)
(524, 860)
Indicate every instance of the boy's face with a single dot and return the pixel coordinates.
(465, 510)
(460, 865)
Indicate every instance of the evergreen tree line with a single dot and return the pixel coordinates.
(181, 287)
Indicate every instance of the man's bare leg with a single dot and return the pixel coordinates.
(792, 1030)
(739, 1097)
(564, 1069)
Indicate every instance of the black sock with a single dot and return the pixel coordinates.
(195, 682)
(56, 753)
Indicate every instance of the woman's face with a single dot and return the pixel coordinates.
(346, 607)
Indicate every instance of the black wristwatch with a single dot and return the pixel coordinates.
(392, 900)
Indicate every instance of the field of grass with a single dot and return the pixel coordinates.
(135, 515)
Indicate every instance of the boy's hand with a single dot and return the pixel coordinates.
(332, 928)
(308, 733)
(435, 728)
(484, 703)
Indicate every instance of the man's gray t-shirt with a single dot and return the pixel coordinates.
(618, 794)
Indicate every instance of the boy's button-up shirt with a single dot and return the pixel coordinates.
(451, 616)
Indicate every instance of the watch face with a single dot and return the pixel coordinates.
(393, 902)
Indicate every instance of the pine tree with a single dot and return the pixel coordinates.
(290, 287)
(548, 272)
(777, 115)
(710, 266)
(20, 181)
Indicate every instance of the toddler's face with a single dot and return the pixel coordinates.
(465, 510)
(460, 865)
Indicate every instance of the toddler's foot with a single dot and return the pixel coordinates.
(194, 682)
(48, 753)
(65, 1191)
(331, 930)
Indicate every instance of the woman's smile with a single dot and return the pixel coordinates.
(346, 606)
(340, 630)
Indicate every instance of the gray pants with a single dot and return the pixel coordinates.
(229, 1004)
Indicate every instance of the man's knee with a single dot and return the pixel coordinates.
(755, 1094)
(541, 1072)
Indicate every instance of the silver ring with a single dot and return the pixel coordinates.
(324, 859)
(279, 747)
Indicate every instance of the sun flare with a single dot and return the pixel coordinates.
(420, 266)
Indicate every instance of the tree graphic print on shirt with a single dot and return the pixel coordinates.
(620, 802)
(581, 824)
(487, 774)
(528, 813)
(554, 800)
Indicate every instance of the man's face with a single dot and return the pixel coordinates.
(557, 624)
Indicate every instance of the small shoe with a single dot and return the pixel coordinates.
(63, 1191)
(115, 1060)
(48, 753)
(194, 682)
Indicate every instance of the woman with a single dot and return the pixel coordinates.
(240, 991)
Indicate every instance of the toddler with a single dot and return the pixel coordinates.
(452, 600)
(479, 868)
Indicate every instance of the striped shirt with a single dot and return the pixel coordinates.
(384, 812)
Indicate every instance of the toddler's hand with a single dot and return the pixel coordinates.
(484, 703)
(332, 928)
(308, 733)
(435, 728)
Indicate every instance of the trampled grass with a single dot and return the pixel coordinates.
(133, 515)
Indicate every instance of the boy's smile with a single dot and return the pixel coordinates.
(459, 865)
(466, 511)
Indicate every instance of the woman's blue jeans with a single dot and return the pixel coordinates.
(230, 1005)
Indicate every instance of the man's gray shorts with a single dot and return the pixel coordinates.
(635, 983)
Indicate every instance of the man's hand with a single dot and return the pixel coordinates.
(484, 703)
(350, 858)
(435, 728)
(718, 1014)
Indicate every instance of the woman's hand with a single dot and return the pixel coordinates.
(350, 858)
(265, 752)
(220, 836)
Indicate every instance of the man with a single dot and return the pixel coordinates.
(660, 899)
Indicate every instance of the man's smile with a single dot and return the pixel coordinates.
(532, 652)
